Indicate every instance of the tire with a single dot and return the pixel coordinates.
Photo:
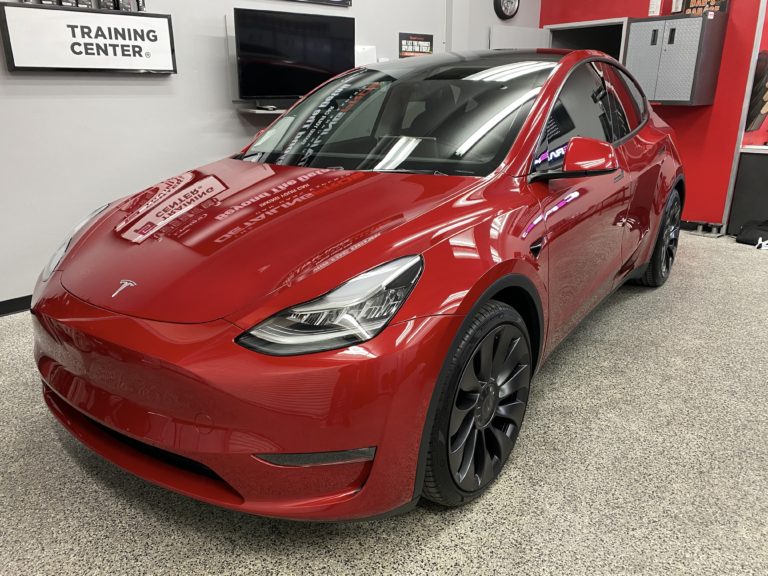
(506, 14)
(484, 394)
(665, 250)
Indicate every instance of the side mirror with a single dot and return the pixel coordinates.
(583, 157)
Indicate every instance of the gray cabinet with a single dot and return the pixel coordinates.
(677, 59)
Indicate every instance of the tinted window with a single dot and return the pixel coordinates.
(580, 110)
(624, 98)
(453, 119)
(636, 102)
(615, 95)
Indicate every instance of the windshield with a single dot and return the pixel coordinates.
(458, 119)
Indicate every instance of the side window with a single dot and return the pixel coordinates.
(615, 96)
(635, 101)
(580, 110)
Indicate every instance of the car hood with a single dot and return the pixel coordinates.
(207, 243)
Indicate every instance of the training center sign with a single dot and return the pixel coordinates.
(42, 38)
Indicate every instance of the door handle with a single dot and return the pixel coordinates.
(619, 177)
(672, 34)
(655, 37)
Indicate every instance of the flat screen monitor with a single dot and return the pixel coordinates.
(285, 55)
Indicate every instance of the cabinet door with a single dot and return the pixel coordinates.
(644, 53)
(679, 54)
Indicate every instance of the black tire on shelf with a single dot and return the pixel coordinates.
(498, 6)
(481, 405)
(667, 241)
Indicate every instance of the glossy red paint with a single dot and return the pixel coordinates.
(148, 373)
(590, 155)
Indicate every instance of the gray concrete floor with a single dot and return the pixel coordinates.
(645, 451)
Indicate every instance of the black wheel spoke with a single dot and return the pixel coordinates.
(461, 436)
(469, 381)
(484, 464)
(485, 368)
(462, 411)
(466, 469)
(517, 380)
(504, 350)
(502, 443)
(513, 412)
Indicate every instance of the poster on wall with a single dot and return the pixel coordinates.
(38, 37)
(756, 129)
(698, 7)
(416, 44)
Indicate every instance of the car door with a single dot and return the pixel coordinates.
(643, 150)
(583, 215)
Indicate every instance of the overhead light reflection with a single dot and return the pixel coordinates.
(399, 153)
(511, 71)
(495, 121)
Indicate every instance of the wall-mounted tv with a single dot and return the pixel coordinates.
(285, 55)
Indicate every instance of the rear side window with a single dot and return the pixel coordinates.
(616, 98)
(634, 103)
(580, 110)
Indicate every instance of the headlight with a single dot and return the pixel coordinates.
(352, 313)
(61, 251)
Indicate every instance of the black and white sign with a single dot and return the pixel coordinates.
(416, 44)
(43, 38)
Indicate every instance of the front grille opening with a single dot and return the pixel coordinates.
(175, 460)
(193, 478)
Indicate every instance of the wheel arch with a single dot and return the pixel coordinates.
(515, 290)
(679, 185)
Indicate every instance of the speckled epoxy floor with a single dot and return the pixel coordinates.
(645, 451)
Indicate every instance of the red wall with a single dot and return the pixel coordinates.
(707, 134)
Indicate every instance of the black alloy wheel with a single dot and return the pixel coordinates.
(667, 241)
(671, 236)
(482, 408)
(488, 409)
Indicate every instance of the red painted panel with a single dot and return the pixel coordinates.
(558, 11)
(764, 42)
(707, 135)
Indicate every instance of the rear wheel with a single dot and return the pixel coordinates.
(665, 251)
(481, 406)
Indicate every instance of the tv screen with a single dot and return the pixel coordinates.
(284, 55)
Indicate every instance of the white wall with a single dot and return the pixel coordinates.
(71, 142)
(471, 21)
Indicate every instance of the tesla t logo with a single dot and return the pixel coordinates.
(123, 285)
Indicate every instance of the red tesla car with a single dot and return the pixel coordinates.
(346, 316)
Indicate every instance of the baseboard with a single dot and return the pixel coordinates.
(15, 306)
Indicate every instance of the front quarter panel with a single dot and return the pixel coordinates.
(460, 269)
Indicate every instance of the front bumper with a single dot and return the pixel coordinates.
(183, 406)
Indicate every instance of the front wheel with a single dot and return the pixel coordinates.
(665, 251)
(481, 406)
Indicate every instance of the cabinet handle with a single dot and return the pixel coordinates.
(672, 34)
(655, 37)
